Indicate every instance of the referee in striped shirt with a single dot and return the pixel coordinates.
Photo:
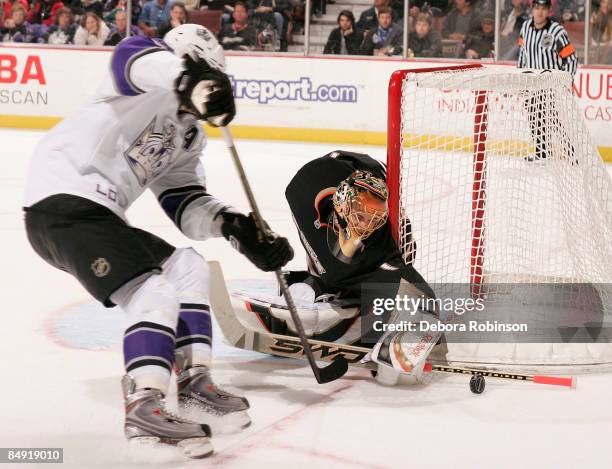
(544, 44)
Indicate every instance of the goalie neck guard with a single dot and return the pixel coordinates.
(360, 202)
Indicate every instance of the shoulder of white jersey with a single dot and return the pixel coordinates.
(125, 54)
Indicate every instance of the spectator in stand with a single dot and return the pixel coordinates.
(345, 39)
(511, 23)
(7, 6)
(94, 6)
(239, 35)
(226, 6)
(319, 8)
(479, 44)
(433, 7)
(178, 16)
(568, 10)
(482, 7)
(45, 11)
(601, 23)
(285, 8)
(119, 30)
(298, 16)
(92, 31)
(111, 7)
(264, 11)
(397, 7)
(386, 39)
(460, 21)
(64, 29)
(424, 41)
(17, 29)
(369, 18)
(153, 14)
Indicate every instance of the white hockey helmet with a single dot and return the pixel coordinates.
(198, 42)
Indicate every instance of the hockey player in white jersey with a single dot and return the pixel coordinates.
(142, 130)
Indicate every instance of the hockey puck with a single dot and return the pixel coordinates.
(477, 384)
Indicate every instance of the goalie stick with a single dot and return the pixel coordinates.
(339, 366)
(291, 347)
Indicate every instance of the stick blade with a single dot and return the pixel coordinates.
(333, 371)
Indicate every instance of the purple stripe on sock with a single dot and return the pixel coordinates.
(148, 343)
(193, 323)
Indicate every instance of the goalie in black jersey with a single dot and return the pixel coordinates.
(339, 206)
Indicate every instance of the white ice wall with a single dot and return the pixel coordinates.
(282, 96)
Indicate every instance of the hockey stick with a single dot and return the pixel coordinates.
(339, 366)
(291, 347)
(569, 382)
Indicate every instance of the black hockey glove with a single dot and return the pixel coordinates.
(268, 254)
(207, 92)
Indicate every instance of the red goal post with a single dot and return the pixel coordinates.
(394, 155)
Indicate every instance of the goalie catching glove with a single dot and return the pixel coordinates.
(269, 253)
(206, 92)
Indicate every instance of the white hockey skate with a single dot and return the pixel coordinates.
(149, 423)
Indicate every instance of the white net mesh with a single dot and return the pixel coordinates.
(503, 185)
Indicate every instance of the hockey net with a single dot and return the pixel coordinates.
(503, 186)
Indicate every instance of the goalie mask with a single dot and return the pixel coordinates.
(360, 203)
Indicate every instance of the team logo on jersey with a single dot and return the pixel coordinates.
(190, 137)
(150, 154)
(547, 40)
(100, 267)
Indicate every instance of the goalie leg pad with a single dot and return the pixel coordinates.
(321, 321)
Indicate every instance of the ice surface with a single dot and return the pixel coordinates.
(61, 365)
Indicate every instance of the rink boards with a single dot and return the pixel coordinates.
(285, 97)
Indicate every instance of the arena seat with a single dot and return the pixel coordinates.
(210, 19)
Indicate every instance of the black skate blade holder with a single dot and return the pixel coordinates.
(337, 368)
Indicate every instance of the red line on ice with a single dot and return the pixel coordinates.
(254, 441)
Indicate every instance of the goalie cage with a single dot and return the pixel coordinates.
(460, 156)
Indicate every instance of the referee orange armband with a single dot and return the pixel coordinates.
(567, 51)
